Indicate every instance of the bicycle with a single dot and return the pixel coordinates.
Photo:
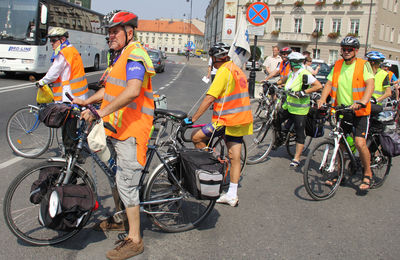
(162, 196)
(260, 144)
(326, 161)
(171, 131)
(27, 136)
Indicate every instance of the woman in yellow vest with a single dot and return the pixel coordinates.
(394, 82)
(66, 72)
(231, 114)
(382, 86)
(128, 106)
(297, 104)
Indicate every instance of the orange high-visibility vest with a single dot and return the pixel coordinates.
(136, 118)
(284, 70)
(390, 75)
(358, 85)
(77, 79)
(234, 108)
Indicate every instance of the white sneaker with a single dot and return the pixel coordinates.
(227, 200)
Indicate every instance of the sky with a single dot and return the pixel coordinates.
(152, 9)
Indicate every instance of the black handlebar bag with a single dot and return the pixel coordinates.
(202, 173)
(54, 115)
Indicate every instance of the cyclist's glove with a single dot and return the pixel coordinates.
(187, 121)
(299, 94)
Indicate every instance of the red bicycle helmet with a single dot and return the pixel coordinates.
(285, 50)
(116, 18)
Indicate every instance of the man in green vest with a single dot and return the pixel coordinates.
(297, 103)
(382, 86)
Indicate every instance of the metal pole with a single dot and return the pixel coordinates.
(252, 77)
(369, 22)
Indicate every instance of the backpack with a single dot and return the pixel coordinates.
(54, 115)
(64, 207)
(202, 173)
(390, 142)
(315, 122)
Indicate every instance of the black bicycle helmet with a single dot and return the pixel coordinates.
(219, 50)
(350, 41)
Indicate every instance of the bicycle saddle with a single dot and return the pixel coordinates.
(175, 113)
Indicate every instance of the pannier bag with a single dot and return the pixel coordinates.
(390, 142)
(64, 207)
(54, 115)
(202, 173)
(39, 188)
(315, 122)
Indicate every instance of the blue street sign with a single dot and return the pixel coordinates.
(190, 45)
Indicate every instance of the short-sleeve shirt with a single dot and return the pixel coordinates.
(271, 62)
(224, 82)
(345, 86)
(135, 70)
(213, 70)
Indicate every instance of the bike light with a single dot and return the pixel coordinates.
(96, 206)
(54, 204)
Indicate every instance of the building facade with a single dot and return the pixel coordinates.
(318, 25)
(84, 3)
(169, 35)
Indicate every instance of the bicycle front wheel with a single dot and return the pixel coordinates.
(323, 171)
(173, 209)
(26, 135)
(21, 216)
(260, 144)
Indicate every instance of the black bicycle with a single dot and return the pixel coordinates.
(324, 169)
(168, 204)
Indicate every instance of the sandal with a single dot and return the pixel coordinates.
(294, 163)
(368, 184)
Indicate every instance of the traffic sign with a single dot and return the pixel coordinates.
(258, 13)
(190, 45)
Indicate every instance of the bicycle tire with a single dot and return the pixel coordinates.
(26, 135)
(260, 144)
(379, 162)
(291, 144)
(159, 187)
(315, 179)
(257, 121)
(17, 204)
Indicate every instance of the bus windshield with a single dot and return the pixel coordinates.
(18, 20)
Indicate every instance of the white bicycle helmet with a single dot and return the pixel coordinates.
(57, 32)
(219, 50)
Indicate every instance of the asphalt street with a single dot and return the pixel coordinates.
(276, 219)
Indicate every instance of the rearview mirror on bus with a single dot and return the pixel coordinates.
(43, 14)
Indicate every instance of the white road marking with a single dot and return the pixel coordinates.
(10, 162)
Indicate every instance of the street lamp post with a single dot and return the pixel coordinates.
(190, 27)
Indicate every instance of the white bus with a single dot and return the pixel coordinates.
(24, 24)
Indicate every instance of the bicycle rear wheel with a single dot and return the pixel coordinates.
(380, 165)
(260, 144)
(291, 143)
(26, 135)
(182, 212)
(21, 216)
(320, 169)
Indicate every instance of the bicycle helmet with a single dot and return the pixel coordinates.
(350, 41)
(386, 64)
(57, 32)
(219, 50)
(285, 50)
(296, 60)
(119, 17)
(375, 56)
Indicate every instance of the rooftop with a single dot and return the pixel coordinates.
(168, 27)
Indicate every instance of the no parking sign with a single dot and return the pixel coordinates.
(258, 13)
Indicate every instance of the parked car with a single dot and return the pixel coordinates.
(157, 59)
(258, 65)
(323, 72)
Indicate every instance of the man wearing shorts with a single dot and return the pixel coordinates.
(351, 83)
(231, 114)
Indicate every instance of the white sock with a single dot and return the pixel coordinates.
(232, 191)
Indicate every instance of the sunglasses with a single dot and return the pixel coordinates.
(349, 49)
(54, 40)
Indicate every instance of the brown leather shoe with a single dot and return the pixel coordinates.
(110, 225)
(126, 249)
